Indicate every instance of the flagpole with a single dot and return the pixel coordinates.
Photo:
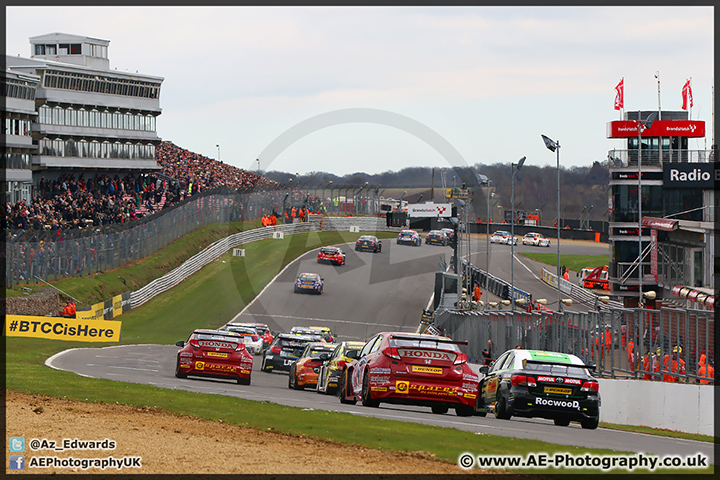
(657, 75)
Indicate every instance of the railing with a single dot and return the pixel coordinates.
(662, 345)
(654, 157)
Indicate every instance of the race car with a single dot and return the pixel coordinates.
(409, 237)
(504, 237)
(368, 243)
(436, 237)
(325, 332)
(212, 353)
(314, 332)
(263, 330)
(283, 351)
(309, 282)
(535, 383)
(329, 375)
(449, 233)
(537, 239)
(411, 369)
(304, 371)
(253, 340)
(331, 254)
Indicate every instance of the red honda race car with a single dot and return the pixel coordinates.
(212, 353)
(331, 254)
(410, 369)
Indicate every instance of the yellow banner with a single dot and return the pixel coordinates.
(59, 328)
(96, 312)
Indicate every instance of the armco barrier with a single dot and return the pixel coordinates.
(218, 248)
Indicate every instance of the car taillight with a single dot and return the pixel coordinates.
(461, 358)
(194, 343)
(341, 363)
(587, 386)
(523, 380)
(276, 349)
(254, 338)
(372, 243)
(392, 353)
(240, 347)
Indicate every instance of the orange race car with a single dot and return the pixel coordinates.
(304, 371)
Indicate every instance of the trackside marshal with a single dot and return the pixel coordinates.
(432, 210)
(59, 328)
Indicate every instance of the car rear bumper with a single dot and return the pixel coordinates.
(216, 370)
(276, 362)
(525, 404)
(422, 392)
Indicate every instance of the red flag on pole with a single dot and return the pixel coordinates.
(620, 96)
(687, 95)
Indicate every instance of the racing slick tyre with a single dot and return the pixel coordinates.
(464, 411)
(439, 409)
(367, 400)
(178, 373)
(342, 390)
(590, 424)
(562, 422)
(480, 407)
(292, 380)
(501, 410)
(264, 367)
(296, 290)
(379, 249)
(243, 381)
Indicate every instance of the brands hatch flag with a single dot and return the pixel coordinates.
(687, 96)
(620, 95)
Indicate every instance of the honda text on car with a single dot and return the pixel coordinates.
(330, 371)
(425, 370)
(534, 383)
(285, 349)
(309, 282)
(331, 255)
(304, 372)
(536, 239)
(368, 243)
(212, 353)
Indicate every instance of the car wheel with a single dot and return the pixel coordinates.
(296, 290)
(590, 424)
(439, 409)
(464, 411)
(264, 367)
(562, 422)
(367, 400)
(342, 390)
(178, 372)
(501, 410)
(243, 381)
(480, 407)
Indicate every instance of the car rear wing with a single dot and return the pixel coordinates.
(428, 338)
(558, 364)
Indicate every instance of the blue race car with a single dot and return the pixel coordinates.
(309, 282)
(409, 237)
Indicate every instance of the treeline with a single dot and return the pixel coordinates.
(535, 187)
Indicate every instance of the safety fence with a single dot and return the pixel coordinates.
(665, 345)
(577, 292)
(493, 284)
(95, 249)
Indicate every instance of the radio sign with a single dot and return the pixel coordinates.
(690, 175)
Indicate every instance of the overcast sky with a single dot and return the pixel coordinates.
(348, 89)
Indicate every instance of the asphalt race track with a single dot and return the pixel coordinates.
(373, 292)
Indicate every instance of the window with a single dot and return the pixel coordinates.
(63, 49)
(39, 49)
(50, 50)
(367, 347)
(75, 49)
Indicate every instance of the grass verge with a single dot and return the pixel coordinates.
(574, 262)
(219, 291)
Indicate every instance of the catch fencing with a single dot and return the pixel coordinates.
(33, 255)
(663, 345)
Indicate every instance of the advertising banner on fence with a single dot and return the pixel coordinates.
(106, 310)
(60, 328)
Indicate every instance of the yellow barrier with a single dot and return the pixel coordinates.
(60, 328)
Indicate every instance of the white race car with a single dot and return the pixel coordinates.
(502, 236)
(537, 239)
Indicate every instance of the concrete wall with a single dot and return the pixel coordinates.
(672, 406)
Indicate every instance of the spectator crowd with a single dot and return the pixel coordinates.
(75, 201)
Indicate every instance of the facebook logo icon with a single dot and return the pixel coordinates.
(17, 462)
